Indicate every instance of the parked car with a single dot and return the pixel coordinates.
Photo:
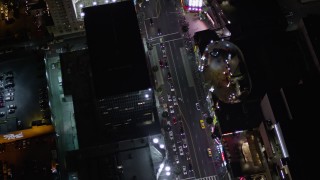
(12, 106)
(171, 135)
(184, 169)
(151, 21)
(198, 106)
(9, 94)
(11, 111)
(9, 98)
(202, 124)
(171, 109)
(209, 152)
(159, 32)
(176, 158)
(181, 151)
(174, 148)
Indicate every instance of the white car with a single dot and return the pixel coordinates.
(9, 98)
(169, 97)
(184, 143)
(10, 111)
(174, 147)
(9, 94)
(184, 169)
(171, 87)
(171, 135)
(181, 151)
(174, 100)
(171, 109)
(12, 106)
(168, 123)
(176, 158)
(198, 106)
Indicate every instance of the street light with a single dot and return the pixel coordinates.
(161, 146)
(155, 140)
(167, 168)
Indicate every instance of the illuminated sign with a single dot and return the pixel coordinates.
(13, 136)
(194, 5)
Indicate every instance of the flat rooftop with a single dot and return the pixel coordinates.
(116, 51)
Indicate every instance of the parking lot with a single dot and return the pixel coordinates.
(22, 88)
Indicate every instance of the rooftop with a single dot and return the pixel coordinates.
(116, 51)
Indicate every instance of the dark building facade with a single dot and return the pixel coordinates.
(115, 110)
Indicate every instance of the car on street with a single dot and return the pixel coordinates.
(174, 147)
(151, 21)
(159, 32)
(168, 123)
(9, 98)
(174, 99)
(162, 45)
(9, 94)
(161, 63)
(202, 124)
(198, 106)
(174, 120)
(209, 152)
(184, 143)
(171, 135)
(169, 75)
(2, 114)
(12, 106)
(164, 54)
(171, 87)
(181, 151)
(169, 97)
(176, 158)
(166, 63)
(181, 130)
(184, 169)
(190, 167)
(11, 111)
(171, 109)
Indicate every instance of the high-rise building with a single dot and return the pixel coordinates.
(64, 18)
(113, 98)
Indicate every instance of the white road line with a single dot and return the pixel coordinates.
(175, 70)
(151, 39)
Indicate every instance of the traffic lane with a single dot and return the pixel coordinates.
(168, 20)
(176, 57)
(194, 123)
(178, 139)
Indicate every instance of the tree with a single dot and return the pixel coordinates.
(177, 170)
(209, 120)
(185, 28)
(159, 90)
(155, 68)
(165, 114)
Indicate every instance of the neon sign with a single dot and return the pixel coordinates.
(13, 136)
